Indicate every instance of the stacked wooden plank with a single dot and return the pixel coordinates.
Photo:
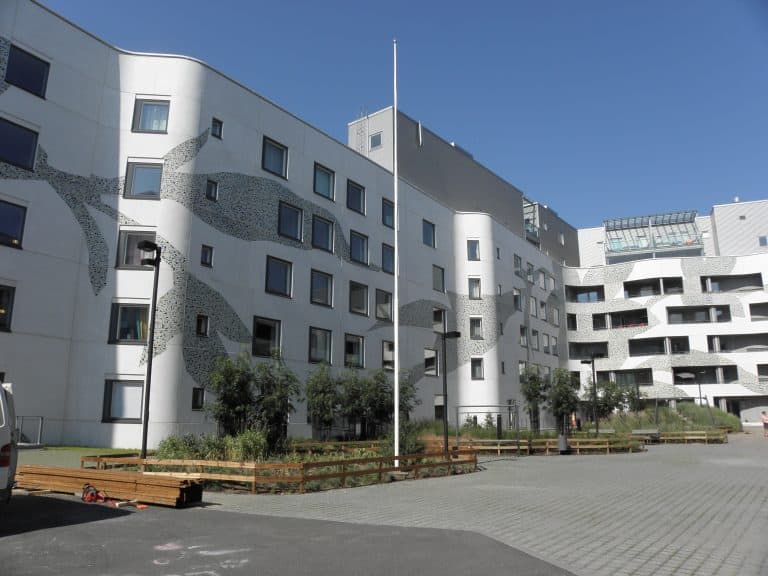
(119, 485)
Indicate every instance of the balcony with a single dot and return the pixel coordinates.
(675, 233)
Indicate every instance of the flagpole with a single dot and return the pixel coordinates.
(396, 302)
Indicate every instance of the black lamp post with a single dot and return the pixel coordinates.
(592, 357)
(446, 336)
(149, 246)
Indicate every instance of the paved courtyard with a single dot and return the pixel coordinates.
(695, 509)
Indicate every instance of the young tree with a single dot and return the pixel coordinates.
(563, 397)
(378, 399)
(352, 405)
(534, 389)
(232, 381)
(323, 399)
(277, 388)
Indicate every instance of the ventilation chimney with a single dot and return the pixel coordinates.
(736, 199)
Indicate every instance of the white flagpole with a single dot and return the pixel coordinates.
(396, 302)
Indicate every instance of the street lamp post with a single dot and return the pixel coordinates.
(446, 336)
(692, 376)
(592, 357)
(149, 246)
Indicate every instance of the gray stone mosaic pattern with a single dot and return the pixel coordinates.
(5, 47)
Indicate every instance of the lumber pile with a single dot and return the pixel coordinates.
(119, 485)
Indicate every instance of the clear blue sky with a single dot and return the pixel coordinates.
(599, 108)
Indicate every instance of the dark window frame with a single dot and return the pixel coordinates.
(361, 341)
(275, 144)
(389, 204)
(332, 174)
(433, 371)
(360, 189)
(106, 414)
(287, 294)
(435, 268)
(129, 177)
(366, 262)
(138, 109)
(202, 325)
(6, 319)
(212, 185)
(386, 366)
(9, 239)
(121, 239)
(387, 318)
(205, 249)
(312, 300)
(386, 269)
(198, 399)
(472, 370)
(114, 324)
(29, 163)
(426, 224)
(367, 298)
(46, 67)
(217, 128)
(328, 359)
(299, 213)
(275, 345)
(331, 236)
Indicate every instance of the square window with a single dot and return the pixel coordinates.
(143, 180)
(438, 278)
(477, 368)
(151, 116)
(354, 351)
(129, 323)
(524, 336)
(763, 240)
(430, 362)
(212, 190)
(324, 182)
(201, 325)
(122, 401)
(358, 247)
(17, 145)
(322, 233)
(289, 221)
(12, 219)
(128, 253)
(278, 277)
(274, 158)
(476, 328)
(319, 345)
(217, 128)
(387, 355)
(387, 213)
(473, 249)
(198, 398)
(388, 258)
(375, 141)
(428, 233)
(266, 337)
(206, 256)
(6, 307)
(358, 298)
(26, 71)
(474, 289)
(355, 197)
(438, 320)
(321, 290)
(383, 305)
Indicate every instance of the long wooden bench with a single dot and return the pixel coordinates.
(579, 445)
(705, 436)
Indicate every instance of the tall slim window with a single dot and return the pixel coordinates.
(322, 233)
(476, 328)
(387, 355)
(438, 320)
(289, 221)
(517, 299)
(534, 339)
(473, 249)
(355, 197)
(388, 258)
(476, 367)
(212, 190)
(151, 116)
(128, 253)
(128, 323)
(198, 398)
(555, 351)
(206, 256)
(387, 213)
(431, 367)
(324, 181)
(518, 265)
(555, 316)
(122, 401)
(279, 274)
(532, 307)
(358, 247)
(383, 305)
(358, 298)
(6, 307)
(217, 128)
(12, 218)
(438, 278)
(17, 144)
(474, 289)
(274, 158)
(266, 336)
(202, 325)
(319, 345)
(143, 180)
(543, 310)
(354, 351)
(321, 291)
(26, 71)
(545, 343)
(529, 272)
(428, 233)
(524, 336)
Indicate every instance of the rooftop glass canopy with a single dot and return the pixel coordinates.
(687, 217)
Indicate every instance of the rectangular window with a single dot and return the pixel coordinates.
(545, 343)
(542, 280)
(383, 305)
(430, 362)
(498, 253)
(274, 158)
(474, 289)
(143, 180)
(555, 351)
(202, 324)
(278, 277)
(518, 266)
(217, 128)
(503, 368)
(289, 221)
(534, 339)
(206, 256)
(358, 247)
(354, 351)
(266, 337)
(388, 258)
(198, 398)
(517, 299)
(355, 197)
(477, 369)
(438, 320)
(428, 233)
(321, 291)
(324, 183)
(501, 328)
(543, 310)
(556, 316)
(375, 141)
(473, 249)
(476, 328)
(438, 278)
(571, 322)
(151, 116)
(322, 234)
(524, 336)
(129, 323)
(498, 289)
(26, 71)
(762, 240)
(358, 298)
(122, 401)
(387, 355)
(529, 272)
(128, 253)
(6, 307)
(522, 366)
(12, 218)
(387, 213)
(532, 307)
(17, 145)
(212, 190)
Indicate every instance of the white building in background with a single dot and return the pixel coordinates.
(276, 236)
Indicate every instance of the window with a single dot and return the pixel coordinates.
(201, 325)
(26, 71)
(762, 240)
(430, 362)
(217, 128)
(143, 180)
(279, 274)
(383, 305)
(319, 345)
(355, 197)
(570, 320)
(354, 347)
(522, 366)
(474, 289)
(534, 339)
(555, 351)
(532, 307)
(274, 158)
(501, 328)
(212, 190)
(543, 310)
(584, 294)
(529, 272)
(542, 280)
(128, 253)
(556, 316)
(324, 181)
(358, 298)
(17, 145)
(518, 266)
(387, 355)
(476, 328)
(517, 299)
(198, 398)
(289, 221)
(266, 336)
(321, 288)
(438, 278)
(552, 283)
(524, 336)
(151, 116)
(12, 218)
(128, 323)
(375, 141)
(358, 247)
(498, 289)
(428, 233)
(476, 365)
(387, 213)
(122, 401)
(561, 238)
(6, 307)
(498, 253)
(545, 343)
(388, 258)
(322, 234)
(503, 367)
(438, 320)
(473, 249)
(206, 256)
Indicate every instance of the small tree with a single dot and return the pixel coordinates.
(563, 397)
(232, 381)
(534, 389)
(352, 405)
(277, 387)
(323, 399)
(379, 401)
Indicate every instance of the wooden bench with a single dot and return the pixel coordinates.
(580, 445)
(646, 434)
(706, 436)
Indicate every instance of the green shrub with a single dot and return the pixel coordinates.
(700, 416)
(247, 446)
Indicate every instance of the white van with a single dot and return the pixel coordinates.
(7, 442)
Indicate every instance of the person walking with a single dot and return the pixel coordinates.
(764, 420)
